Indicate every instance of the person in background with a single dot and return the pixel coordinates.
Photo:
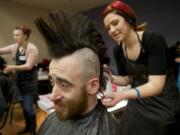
(9, 91)
(78, 53)
(25, 54)
(142, 62)
(177, 60)
(4, 88)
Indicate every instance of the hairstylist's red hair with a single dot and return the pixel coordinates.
(124, 10)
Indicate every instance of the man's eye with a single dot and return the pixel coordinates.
(63, 85)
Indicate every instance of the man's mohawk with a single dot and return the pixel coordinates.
(67, 31)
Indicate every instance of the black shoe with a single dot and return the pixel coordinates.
(22, 131)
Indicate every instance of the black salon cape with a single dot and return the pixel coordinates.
(96, 122)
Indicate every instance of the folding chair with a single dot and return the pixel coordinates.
(10, 97)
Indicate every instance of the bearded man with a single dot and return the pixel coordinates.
(75, 70)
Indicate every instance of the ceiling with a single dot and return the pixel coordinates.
(81, 5)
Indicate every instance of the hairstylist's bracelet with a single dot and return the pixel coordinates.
(137, 92)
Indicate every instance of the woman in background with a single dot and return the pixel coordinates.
(26, 56)
(142, 62)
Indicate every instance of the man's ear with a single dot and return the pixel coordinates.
(93, 86)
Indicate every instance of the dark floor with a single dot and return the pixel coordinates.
(18, 121)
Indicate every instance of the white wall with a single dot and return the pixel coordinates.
(12, 15)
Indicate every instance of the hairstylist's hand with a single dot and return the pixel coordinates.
(8, 69)
(111, 77)
(111, 99)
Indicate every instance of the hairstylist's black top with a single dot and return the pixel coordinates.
(26, 80)
(148, 115)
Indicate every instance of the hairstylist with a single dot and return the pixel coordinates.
(142, 62)
(25, 55)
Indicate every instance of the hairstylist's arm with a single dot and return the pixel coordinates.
(30, 62)
(152, 88)
(177, 60)
(6, 50)
(120, 80)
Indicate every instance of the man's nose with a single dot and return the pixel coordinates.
(56, 93)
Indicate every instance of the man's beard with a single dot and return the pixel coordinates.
(71, 108)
